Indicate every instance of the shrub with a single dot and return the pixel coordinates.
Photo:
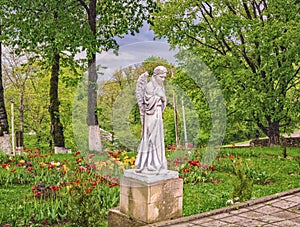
(243, 183)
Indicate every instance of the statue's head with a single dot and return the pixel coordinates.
(160, 73)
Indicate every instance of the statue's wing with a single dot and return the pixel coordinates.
(140, 93)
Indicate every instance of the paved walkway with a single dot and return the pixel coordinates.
(282, 209)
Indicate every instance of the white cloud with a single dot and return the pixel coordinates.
(132, 50)
(133, 53)
(144, 34)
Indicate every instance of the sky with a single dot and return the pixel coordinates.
(134, 50)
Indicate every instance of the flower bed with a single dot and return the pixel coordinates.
(48, 189)
(64, 188)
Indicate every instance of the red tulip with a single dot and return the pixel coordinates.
(186, 170)
(194, 163)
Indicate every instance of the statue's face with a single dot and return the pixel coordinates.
(161, 77)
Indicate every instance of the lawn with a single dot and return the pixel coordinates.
(44, 189)
(269, 172)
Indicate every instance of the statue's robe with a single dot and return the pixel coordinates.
(151, 151)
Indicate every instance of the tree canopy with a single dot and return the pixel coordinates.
(250, 48)
(253, 49)
(56, 30)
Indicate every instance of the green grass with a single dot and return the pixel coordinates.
(204, 197)
(283, 174)
(10, 196)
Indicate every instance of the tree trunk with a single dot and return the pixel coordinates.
(94, 130)
(19, 140)
(20, 133)
(274, 133)
(56, 126)
(4, 128)
(271, 130)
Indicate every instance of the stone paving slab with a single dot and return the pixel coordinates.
(281, 209)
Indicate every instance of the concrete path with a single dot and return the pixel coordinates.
(282, 209)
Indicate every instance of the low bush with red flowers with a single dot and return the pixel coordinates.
(61, 188)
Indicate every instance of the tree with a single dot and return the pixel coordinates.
(60, 26)
(17, 76)
(48, 29)
(253, 49)
(117, 105)
(4, 127)
(25, 86)
(108, 20)
(28, 82)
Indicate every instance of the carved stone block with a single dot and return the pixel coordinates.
(151, 202)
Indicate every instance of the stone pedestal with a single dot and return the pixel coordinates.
(62, 150)
(148, 199)
(5, 144)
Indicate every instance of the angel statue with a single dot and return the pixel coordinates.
(151, 99)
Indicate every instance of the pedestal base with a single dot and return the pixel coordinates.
(151, 202)
(151, 177)
(118, 219)
(62, 150)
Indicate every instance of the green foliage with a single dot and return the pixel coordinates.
(252, 50)
(119, 110)
(63, 26)
(169, 126)
(30, 101)
(85, 201)
(47, 189)
(48, 28)
(26, 84)
(153, 61)
(196, 98)
(204, 197)
(258, 176)
(243, 185)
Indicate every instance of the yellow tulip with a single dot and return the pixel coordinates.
(69, 187)
(65, 168)
(57, 164)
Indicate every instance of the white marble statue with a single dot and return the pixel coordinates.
(151, 99)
